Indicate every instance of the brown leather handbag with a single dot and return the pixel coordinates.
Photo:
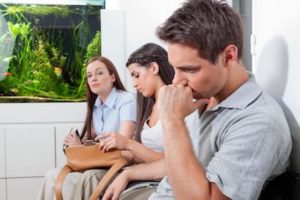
(88, 156)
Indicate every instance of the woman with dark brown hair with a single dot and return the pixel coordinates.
(109, 109)
(149, 70)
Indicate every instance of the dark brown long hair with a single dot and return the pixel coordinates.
(91, 97)
(144, 56)
(208, 25)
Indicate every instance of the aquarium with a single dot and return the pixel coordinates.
(44, 49)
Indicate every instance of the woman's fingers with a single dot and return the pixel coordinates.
(104, 145)
(115, 196)
(112, 193)
(103, 136)
(109, 140)
(101, 145)
(108, 145)
(108, 194)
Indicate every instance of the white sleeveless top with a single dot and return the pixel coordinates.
(152, 137)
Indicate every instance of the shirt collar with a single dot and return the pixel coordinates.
(110, 101)
(243, 96)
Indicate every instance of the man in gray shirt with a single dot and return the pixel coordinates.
(240, 143)
(241, 138)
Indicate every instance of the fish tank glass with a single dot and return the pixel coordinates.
(44, 48)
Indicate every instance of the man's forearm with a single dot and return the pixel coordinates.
(187, 177)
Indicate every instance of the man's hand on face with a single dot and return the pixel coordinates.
(176, 101)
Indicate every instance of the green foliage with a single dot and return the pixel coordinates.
(57, 59)
(94, 48)
(46, 63)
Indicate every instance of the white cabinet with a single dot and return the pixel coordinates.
(31, 137)
(29, 150)
(21, 113)
(2, 189)
(2, 152)
(23, 188)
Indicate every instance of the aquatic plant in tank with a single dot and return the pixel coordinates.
(44, 49)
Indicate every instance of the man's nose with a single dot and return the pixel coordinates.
(178, 79)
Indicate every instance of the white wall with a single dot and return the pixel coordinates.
(276, 58)
(141, 20)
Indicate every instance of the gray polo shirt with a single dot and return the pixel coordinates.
(241, 142)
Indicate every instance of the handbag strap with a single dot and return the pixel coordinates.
(59, 181)
(101, 186)
(107, 177)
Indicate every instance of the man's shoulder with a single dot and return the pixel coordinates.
(266, 106)
(263, 117)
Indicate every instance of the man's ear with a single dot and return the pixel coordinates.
(230, 53)
(154, 68)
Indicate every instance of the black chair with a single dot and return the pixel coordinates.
(284, 187)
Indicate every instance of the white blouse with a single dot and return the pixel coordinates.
(152, 137)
